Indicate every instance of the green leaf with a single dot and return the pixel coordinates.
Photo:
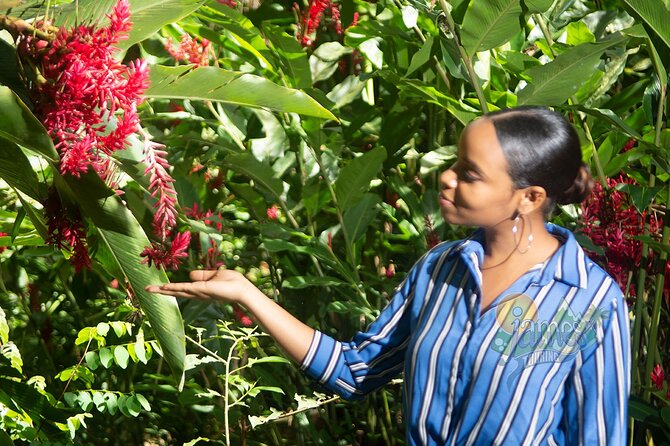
(133, 406)
(121, 356)
(421, 57)
(4, 328)
(555, 82)
(19, 126)
(232, 87)
(30, 400)
(149, 16)
(355, 177)
(535, 6)
(641, 196)
(325, 59)
(268, 359)
(143, 402)
(655, 15)
(123, 236)
(298, 282)
(292, 56)
(489, 24)
(240, 30)
(246, 164)
(92, 360)
(106, 357)
(358, 217)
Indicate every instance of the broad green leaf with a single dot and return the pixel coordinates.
(123, 236)
(354, 179)
(148, 16)
(16, 170)
(555, 82)
(421, 57)
(19, 126)
(30, 400)
(261, 173)
(240, 30)
(358, 217)
(325, 59)
(298, 282)
(292, 56)
(133, 405)
(641, 196)
(489, 24)
(655, 15)
(232, 87)
(535, 6)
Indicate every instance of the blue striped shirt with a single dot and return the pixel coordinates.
(547, 363)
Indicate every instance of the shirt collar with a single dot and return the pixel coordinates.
(567, 264)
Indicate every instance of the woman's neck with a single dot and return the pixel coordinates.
(529, 245)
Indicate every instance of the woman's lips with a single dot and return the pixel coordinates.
(445, 202)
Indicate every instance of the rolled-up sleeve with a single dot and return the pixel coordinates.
(352, 369)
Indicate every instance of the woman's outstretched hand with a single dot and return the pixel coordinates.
(231, 286)
(219, 285)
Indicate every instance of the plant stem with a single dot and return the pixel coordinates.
(17, 26)
(467, 60)
(660, 273)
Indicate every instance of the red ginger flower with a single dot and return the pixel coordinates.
(88, 102)
(160, 186)
(168, 258)
(66, 231)
(658, 376)
(241, 316)
(611, 221)
(432, 237)
(2, 248)
(190, 50)
(312, 16)
(273, 212)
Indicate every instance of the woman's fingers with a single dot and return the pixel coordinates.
(203, 274)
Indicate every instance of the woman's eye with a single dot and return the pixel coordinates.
(465, 175)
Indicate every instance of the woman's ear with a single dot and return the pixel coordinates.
(532, 199)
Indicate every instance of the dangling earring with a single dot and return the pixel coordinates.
(515, 229)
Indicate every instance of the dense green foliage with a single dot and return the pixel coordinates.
(314, 171)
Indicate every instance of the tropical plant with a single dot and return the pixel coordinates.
(299, 144)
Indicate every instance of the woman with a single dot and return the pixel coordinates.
(512, 336)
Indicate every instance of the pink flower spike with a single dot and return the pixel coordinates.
(658, 376)
(273, 212)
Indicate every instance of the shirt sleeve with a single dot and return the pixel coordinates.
(352, 369)
(598, 388)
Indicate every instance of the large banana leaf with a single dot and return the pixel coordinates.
(16, 170)
(147, 16)
(233, 87)
(655, 15)
(489, 24)
(125, 239)
(555, 82)
(20, 126)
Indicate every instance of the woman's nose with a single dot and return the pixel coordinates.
(448, 179)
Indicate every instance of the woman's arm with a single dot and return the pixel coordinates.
(231, 286)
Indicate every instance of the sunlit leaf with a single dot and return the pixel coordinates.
(489, 24)
(354, 179)
(233, 87)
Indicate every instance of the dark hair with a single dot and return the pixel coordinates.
(542, 149)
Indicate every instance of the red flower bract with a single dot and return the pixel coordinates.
(658, 376)
(168, 258)
(2, 248)
(66, 230)
(611, 221)
(87, 100)
(190, 50)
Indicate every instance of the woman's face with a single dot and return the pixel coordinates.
(477, 190)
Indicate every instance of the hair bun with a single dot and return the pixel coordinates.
(580, 189)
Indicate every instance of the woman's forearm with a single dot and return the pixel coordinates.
(293, 336)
